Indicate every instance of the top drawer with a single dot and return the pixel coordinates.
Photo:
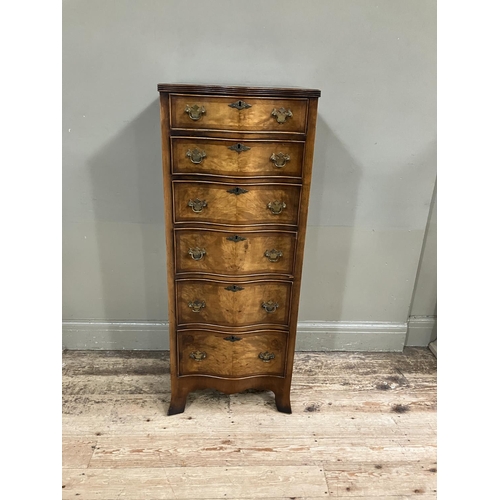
(239, 114)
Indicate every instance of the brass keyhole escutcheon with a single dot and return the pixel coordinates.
(232, 338)
(239, 147)
(237, 191)
(240, 105)
(236, 238)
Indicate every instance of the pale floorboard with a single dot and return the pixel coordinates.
(363, 426)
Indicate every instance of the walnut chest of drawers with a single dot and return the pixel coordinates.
(237, 171)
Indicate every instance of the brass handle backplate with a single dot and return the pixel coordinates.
(276, 206)
(196, 305)
(266, 356)
(270, 306)
(195, 112)
(273, 255)
(281, 114)
(198, 355)
(197, 205)
(197, 253)
(279, 159)
(196, 155)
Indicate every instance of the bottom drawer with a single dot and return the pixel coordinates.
(231, 355)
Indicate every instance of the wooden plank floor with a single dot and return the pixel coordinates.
(363, 426)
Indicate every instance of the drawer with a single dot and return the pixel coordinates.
(230, 355)
(238, 113)
(236, 204)
(244, 158)
(225, 253)
(233, 304)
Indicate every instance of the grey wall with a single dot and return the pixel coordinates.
(375, 161)
(425, 297)
(422, 324)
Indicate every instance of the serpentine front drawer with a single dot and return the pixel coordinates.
(238, 204)
(237, 253)
(239, 114)
(248, 158)
(233, 304)
(203, 352)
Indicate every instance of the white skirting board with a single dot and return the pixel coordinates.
(422, 330)
(433, 346)
(311, 336)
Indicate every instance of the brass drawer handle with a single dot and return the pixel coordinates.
(196, 155)
(197, 253)
(195, 112)
(239, 147)
(279, 159)
(273, 255)
(232, 338)
(270, 306)
(281, 114)
(266, 356)
(197, 305)
(240, 105)
(276, 206)
(198, 355)
(197, 205)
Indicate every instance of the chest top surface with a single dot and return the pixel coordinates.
(238, 90)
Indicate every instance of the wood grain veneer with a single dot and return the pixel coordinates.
(219, 115)
(219, 159)
(236, 253)
(223, 207)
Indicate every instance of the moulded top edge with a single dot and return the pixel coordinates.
(238, 90)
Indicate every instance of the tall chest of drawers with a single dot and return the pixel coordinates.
(237, 167)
